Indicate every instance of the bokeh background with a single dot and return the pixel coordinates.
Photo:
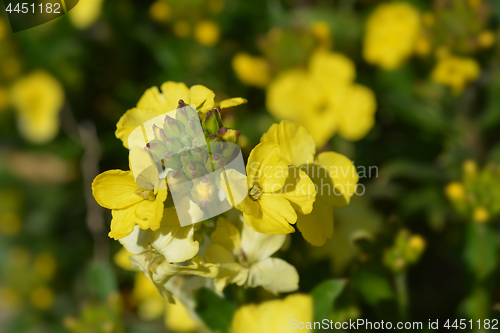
(423, 240)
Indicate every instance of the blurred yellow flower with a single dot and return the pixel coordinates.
(422, 46)
(321, 30)
(85, 13)
(455, 72)
(42, 298)
(274, 316)
(3, 29)
(324, 99)
(480, 215)
(455, 191)
(121, 259)
(391, 32)
(252, 71)
(150, 304)
(11, 67)
(334, 176)
(38, 99)
(9, 298)
(178, 319)
(131, 203)
(245, 260)
(275, 191)
(155, 102)
(4, 99)
(486, 39)
(215, 6)
(160, 11)
(10, 223)
(207, 33)
(181, 28)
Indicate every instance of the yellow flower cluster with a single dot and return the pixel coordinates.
(324, 98)
(455, 72)
(391, 32)
(286, 184)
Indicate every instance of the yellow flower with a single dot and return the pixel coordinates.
(133, 201)
(334, 176)
(122, 259)
(38, 98)
(323, 99)
(178, 318)
(160, 11)
(157, 254)
(245, 260)
(85, 13)
(253, 71)
(455, 191)
(150, 304)
(455, 72)
(486, 39)
(481, 215)
(4, 99)
(391, 31)
(42, 298)
(321, 30)
(207, 33)
(155, 102)
(276, 316)
(275, 191)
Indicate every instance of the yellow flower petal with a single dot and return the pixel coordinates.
(336, 178)
(274, 217)
(257, 246)
(356, 115)
(121, 259)
(150, 213)
(266, 167)
(202, 97)
(274, 275)
(253, 71)
(131, 120)
(332, 69)
(317, 226)
(178, 318)
(228, 103)
(115, 189)
(227, 235)
(122, 223)
(297, 145)
(299, 189)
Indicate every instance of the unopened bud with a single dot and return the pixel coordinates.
(173, 144)
(172, 160)
(199, 155)
(178, 181)
(194, 170)
(211, 121)
(193, 126)
(157, 149)
(173, 127)
(214, 162)
(199, 139)
(186, 140)
(229, 135)
(159, 133)
(214, 143)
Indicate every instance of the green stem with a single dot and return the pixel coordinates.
(402, 294)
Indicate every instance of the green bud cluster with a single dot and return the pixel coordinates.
(193, 152)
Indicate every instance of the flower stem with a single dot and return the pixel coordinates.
(402, 294)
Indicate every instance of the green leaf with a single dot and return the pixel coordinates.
(324, 295)
(373, 286)
(215, 311)
(480, 249)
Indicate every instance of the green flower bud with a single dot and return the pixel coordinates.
(214, 143)
(204, 191)
(184, 112)
(172, 160)
(194, 170)
(186, 140)
(199, 139)
(159, 133)
(173, 127)
(229, 135)
(192, 126)
(158, 149)
(178, 181)
(186, 157)
(173, 144)
(214, 162)
(211, 121)
(199, 155)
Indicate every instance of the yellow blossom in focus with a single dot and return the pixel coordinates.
(253, 71)
(154, 103)
(181, 28)
(334, 176)
(486, 39)
(45, 265)
(324, 99)
(275, 191)
(480, 215)
(38, 99)
(85, 13)
(274, 316)
(245, 260)
(133, 201)
(207, 33)
(455, 191)
(391, 32)
(455, 72)
(42, 298)
(10, 223)
(160, 11)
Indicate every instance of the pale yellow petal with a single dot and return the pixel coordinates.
(288, 93)
(130, 121)
(356, 112)
(228, 103)
(300, 190)
(266, 167)
(115, 189)
(317, 226)
(257, 246)
(227, 235)
(332, 68)
(297, 145)
(137, 241)
(273, 274)
(173, 92)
